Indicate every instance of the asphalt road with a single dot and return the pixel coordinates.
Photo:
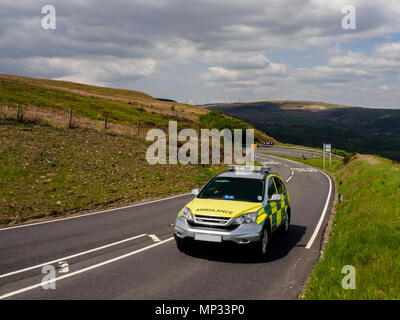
(129, 253)
(277, 150)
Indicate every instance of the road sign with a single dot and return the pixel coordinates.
(327, 148)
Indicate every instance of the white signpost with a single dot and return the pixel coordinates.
(327, 148)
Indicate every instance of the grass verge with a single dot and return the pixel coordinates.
(47, 172)
(365, 232)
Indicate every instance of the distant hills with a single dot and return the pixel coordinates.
(365, 130)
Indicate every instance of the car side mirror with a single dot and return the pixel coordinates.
(276, 198)
(195, 192)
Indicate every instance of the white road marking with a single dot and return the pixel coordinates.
(93, 213)
(308, 170)
(266, 163)
(281, 159)
(154, 238)
(321, 219)
(13, 293)
(70, 257)
(291, 175)
(277, 163)
(64, 267)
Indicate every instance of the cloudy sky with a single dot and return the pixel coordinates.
(212, 50)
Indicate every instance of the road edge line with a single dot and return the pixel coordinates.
(72, 256)
(93, 213)
(95, 266)
(321, 219)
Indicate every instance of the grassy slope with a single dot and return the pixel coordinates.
(131, 97)
(47, 171)
(365, 231)
(40, 94)
(124, 107)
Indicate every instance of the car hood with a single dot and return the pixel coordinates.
(222, 208)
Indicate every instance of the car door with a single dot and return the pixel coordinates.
(281, 206)
(272, 207)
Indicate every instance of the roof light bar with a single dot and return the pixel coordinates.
(248, 168)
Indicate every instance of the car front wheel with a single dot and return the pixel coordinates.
(286, 224)
(263, 245)
(181, 244)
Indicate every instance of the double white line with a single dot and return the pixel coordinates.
(13, 293)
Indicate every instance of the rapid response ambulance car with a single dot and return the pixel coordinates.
(244, 205)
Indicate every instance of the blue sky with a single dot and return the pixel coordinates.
(202, 51)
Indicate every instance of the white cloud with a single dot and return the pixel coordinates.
(389, 50)
(98, 71)
(369, 63)
(203, 46)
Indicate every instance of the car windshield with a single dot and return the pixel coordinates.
(236, 189)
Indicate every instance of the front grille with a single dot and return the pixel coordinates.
(212, 222)
(230, 226)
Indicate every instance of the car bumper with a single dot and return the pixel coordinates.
(244, 234)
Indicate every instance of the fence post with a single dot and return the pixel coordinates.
(138, 127)
(18, 113)
(70, 119)
(105, 124)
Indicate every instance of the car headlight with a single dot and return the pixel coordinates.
(187, 214)
(246, 218)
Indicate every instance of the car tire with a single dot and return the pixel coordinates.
(262, 247)
(181, 244)
(286, 224)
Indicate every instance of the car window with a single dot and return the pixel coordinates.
(279, 185)
(237, 189)
(283, 185)
(271, 187)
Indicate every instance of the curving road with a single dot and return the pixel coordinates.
(305, 153)
(129, 253)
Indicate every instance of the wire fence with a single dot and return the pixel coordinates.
(66, 119)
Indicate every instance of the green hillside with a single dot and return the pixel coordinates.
(51, 101)
(50, 172)
(48, 169)
(373, 131)
(91, 102)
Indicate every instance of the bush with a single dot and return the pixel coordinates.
(349, 157)
(216, 119)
